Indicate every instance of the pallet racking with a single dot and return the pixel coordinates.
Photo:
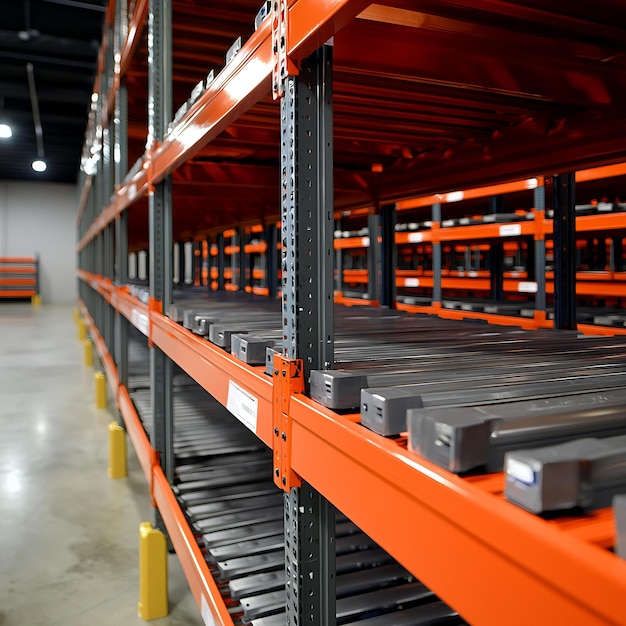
(19, 277)
(436, 89)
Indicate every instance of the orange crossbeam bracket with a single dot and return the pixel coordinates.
(288, 379)
(540, 233)
(154, 306)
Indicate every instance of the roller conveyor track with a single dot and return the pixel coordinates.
(222, 494)
(228, 536)
(238, 517)
(426, 615)
(384, 409)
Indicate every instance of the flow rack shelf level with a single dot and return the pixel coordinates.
(335, 106)
(489, 263)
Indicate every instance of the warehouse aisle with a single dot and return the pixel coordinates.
(68, 533)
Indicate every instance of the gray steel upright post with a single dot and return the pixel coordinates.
(106, 188)
(97, 243)
(270, 264)
(388, 256)
(120, 152)
(160, 209)
(307, 304)
(374, 258)
(496, 256)
(563, 193)
(540, 254)
(437, 260)
(221, 262)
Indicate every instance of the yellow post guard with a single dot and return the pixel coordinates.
(117, 451)
(100, 384)
(88, 355)
(152, 573)
(82, 330)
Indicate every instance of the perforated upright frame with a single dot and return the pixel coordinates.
(307, 306)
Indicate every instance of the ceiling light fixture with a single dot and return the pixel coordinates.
(39, 166)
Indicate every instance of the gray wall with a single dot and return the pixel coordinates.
(40, 219)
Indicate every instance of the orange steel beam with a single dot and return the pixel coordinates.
(351, 242)
(593, 329)
(16, 270)
(610, 221)
(414, 237)
(215, 369)
(469, 194)
(584, 223)
(348, 301)
(505, 320)
(596, 173)
(17, 281)
(499, 320)
(255, 248)
(18, 293)
(487, 231)
(457, 539)
(17, 259)
(596, 527)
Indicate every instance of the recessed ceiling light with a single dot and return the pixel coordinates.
(39, 165)
(5, 131)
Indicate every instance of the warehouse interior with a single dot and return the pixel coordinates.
(349, 286)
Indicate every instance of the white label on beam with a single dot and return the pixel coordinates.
(455, 196)
(205, 611)
(411, 282)
(416, 237)
(243, 405)
(510, 230)
(527, 287)
(365, 242)
(141, 322)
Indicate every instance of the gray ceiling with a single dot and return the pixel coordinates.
(60, 38)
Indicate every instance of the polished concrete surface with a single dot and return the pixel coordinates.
(68, 533)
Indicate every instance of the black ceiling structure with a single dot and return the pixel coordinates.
(56, 42)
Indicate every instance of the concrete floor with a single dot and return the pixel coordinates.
(68, 533)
